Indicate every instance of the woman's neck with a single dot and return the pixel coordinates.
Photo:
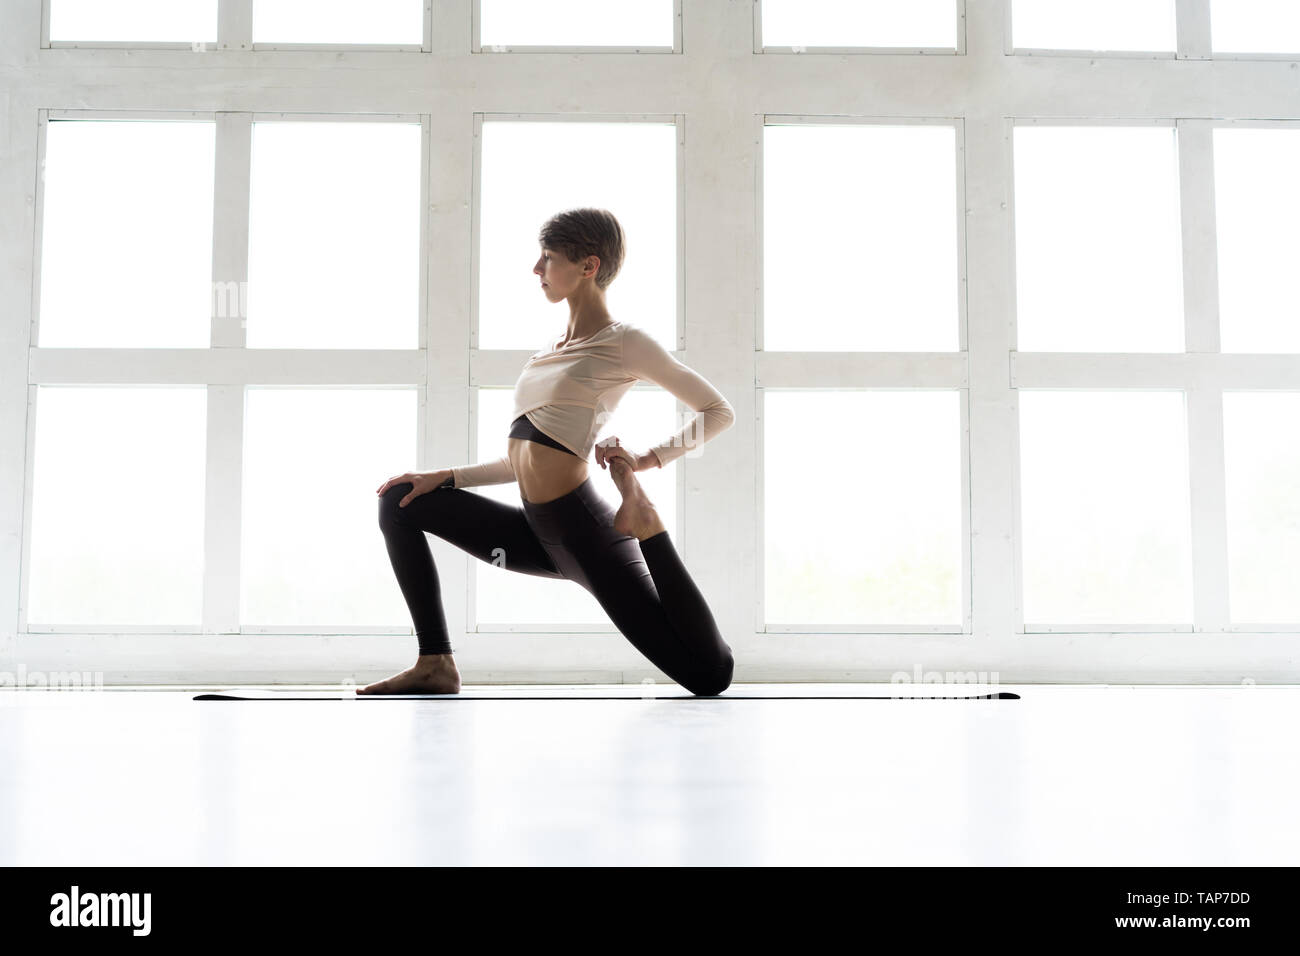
(585, 328)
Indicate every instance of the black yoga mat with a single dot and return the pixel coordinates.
(631, 693)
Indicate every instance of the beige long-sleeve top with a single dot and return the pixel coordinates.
(569, 392)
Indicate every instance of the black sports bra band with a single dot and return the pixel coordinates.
(521, 427)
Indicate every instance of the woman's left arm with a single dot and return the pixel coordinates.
(649, 361)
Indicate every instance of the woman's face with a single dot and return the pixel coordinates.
(558, 276)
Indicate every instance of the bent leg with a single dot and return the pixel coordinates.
(491, 531)
(650, 596)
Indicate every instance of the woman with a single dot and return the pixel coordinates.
(562, 527)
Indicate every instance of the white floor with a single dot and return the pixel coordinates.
(1088, 775)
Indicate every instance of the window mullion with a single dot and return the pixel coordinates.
(225, 418)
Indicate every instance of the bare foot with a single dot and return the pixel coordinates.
(637, 515)
(432, 674)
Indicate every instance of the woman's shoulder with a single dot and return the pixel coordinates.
(634, 334)
(639, 344)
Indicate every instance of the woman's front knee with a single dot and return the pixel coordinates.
(389, 510)
(718, 680)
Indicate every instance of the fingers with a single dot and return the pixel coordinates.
(415, 492)
(392, 481)
(606, 450)
(620, 454)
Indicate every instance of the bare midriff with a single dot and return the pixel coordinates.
(544, 473)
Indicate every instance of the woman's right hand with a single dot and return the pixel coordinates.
(423, 481)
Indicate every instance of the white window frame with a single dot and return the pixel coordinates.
(718, 86)
(226, 368)
(825, 370)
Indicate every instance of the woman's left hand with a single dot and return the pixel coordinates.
(609, 448)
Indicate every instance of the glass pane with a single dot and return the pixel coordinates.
(1255, 26)
(877, 541)
(312, 549)
(917, 23)
(642, 419)
(1105, 512)
(144, 21)
(1098, 243)
(1262, 471)
(882, 204)
(338, 21)
(576, 23)
(334, 235)
(126, 546)
(1257, 203)
(529, 175)
(1095, 25)
(126, 235)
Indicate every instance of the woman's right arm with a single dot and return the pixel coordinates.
(646, 359)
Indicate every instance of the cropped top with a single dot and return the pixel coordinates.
(568, 393)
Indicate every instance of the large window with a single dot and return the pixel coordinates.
(1097, 213)
(214, 236)
(1255, 26)
(1256, 203)
(309, 555)
(1104, 511)
(338, 21)
(117, 508)
(880, 546)
(515, 26)
(628, 167)
(271, 24)
(334, 235)
(1111, 25)
(1116, 529)
(1002, 295)
(126, 252)
(882, 204)
(1263, 507)
(797, 25)
(71, 21)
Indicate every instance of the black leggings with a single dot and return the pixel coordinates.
(642, 585)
